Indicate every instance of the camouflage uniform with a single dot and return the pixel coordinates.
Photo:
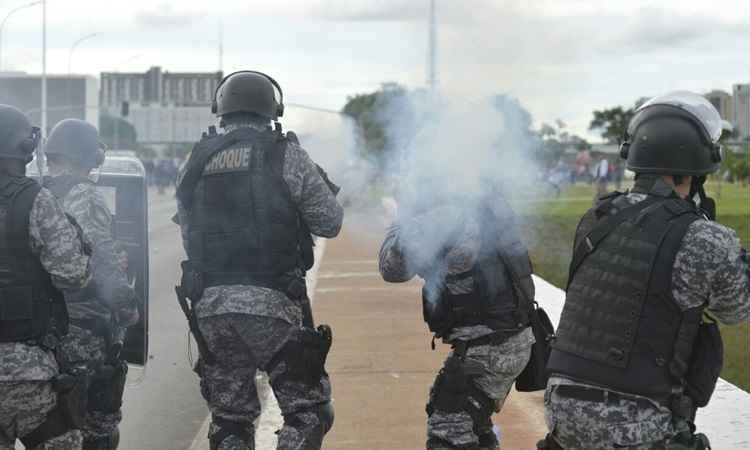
(245, 327)
(502, 363)
(26, 371)
(710, 268)
(84, 347)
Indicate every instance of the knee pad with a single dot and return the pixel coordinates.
(226, 428)
(326, 416)
(324, 412)
(454, 391)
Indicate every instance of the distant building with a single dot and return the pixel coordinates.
(741, 109)
(722, 101)
(74, 96)
(165, 108)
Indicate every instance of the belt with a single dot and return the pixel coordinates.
(211, 279)
(595, 395)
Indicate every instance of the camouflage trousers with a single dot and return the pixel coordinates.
(243, 344)
(24, 406)
(81, 348)
(502, 363)
(635, 424)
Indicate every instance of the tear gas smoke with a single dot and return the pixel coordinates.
(456, 163)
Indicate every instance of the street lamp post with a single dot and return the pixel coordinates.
(2, 25)
(70, 64)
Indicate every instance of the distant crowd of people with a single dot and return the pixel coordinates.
(584, 168)
(162, 173)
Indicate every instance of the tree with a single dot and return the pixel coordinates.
(555, 140)
(613, 123)
(126, 136)
(373, 114)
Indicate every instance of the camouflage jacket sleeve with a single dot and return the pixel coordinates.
(392, 262)
(316, 203)
(56, 241)
(413, 246)
(712, 269)
(89, 208)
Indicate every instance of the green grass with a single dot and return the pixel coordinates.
(549, 227)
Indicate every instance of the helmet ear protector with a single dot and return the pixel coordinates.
(100, 154)
(279, 104)
(30, 143)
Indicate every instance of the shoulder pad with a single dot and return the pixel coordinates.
(679, 207)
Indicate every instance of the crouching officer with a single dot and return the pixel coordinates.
(636, 354)
(100, 315)
(470, 254)
(40, 252)
(247, 200)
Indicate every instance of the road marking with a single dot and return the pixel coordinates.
(270, 419)
(331, 275)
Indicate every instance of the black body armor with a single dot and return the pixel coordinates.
(621, 327)
(244, 227)
(494, 300)
(31, 309)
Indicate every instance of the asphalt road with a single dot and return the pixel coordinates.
(165, 410)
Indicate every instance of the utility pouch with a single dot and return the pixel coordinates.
(107, 388)
(437, 314)
(535, 376)
(191, 281)
(72, 397)
(705, 364)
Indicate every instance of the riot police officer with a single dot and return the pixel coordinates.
(98, 316)
(40, 252)
(634, 359)
(476, 297)
(248, 199)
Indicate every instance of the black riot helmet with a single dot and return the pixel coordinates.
(248, 91)
(78, 141)
(18, 138)
(674, 134)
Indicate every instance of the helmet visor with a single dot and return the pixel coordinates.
(697, 105)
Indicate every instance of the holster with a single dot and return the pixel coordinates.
(306, 354)
(72, 397)
(192, 281)
(108, 387)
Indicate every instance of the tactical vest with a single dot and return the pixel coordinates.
(502, 268)
(621, 327)
(30, 308)
(244, 226)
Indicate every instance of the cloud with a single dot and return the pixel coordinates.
(166, 16)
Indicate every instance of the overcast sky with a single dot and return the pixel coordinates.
(561, 58)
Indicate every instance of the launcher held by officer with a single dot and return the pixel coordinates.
(98, 315)
(40, 253)
(637, 348)
(248, 200)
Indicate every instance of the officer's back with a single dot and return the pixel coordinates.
(40, 253)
